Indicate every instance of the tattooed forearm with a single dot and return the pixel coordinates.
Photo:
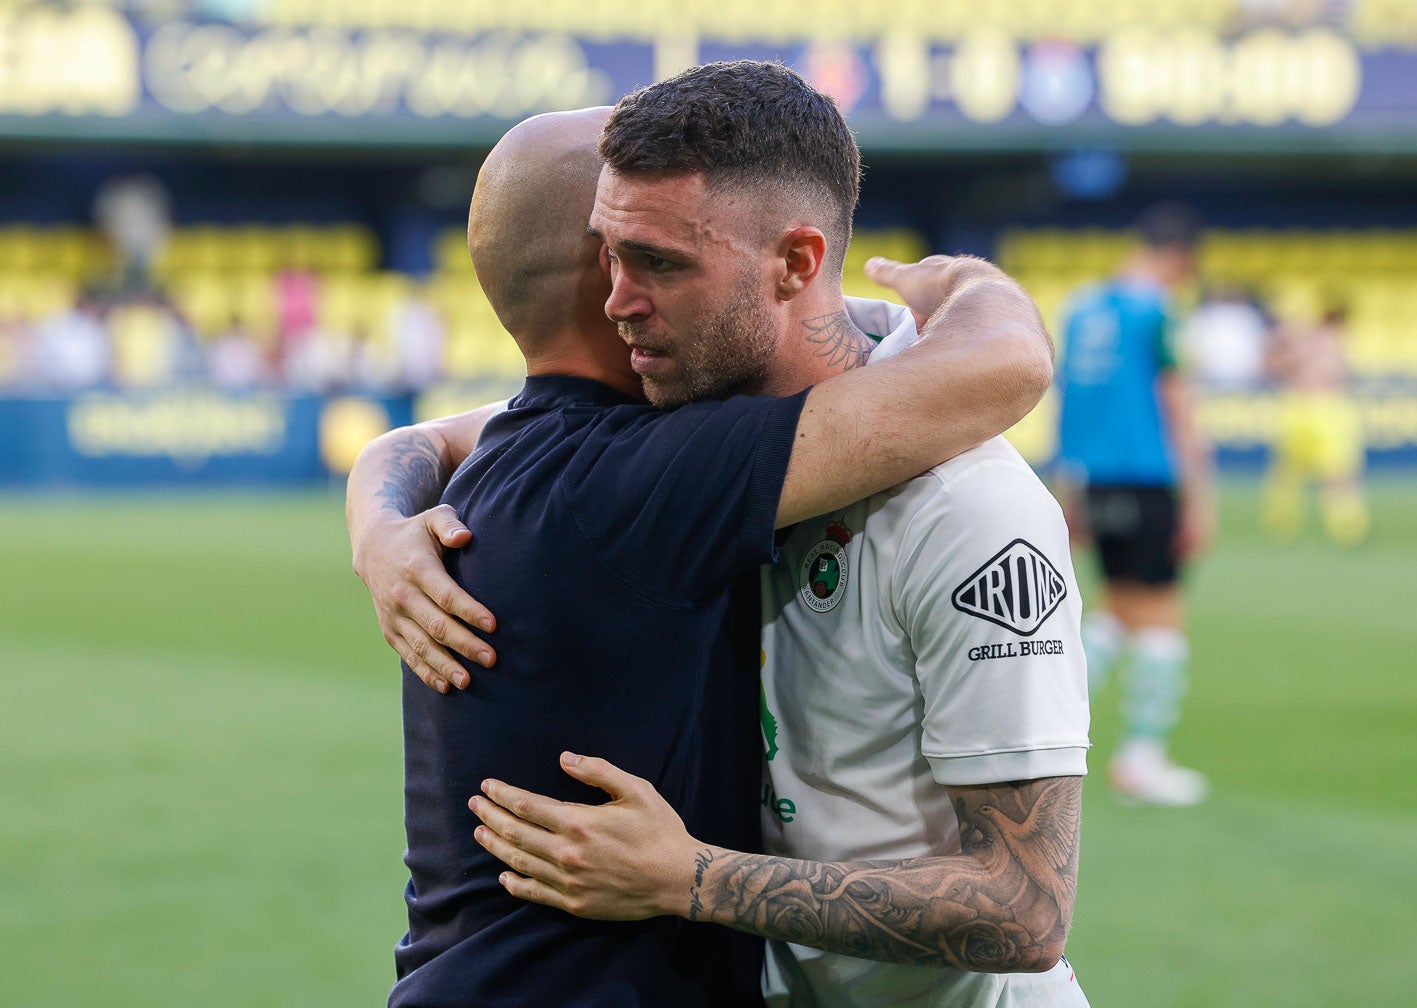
(415, 475)
(838, 340)
(1003, 904)
(702, 860)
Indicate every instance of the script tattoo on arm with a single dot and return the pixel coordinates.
(1003, 904)
(838, 340)
(416, 476)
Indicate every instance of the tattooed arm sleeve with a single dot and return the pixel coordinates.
(1002, 904)
(405, 470)
(414, 473)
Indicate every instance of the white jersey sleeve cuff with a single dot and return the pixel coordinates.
(994, 768)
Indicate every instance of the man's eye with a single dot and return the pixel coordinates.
(657, 264)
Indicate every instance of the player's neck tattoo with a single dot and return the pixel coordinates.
(837, 339)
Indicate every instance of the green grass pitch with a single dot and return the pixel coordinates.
(201, 769)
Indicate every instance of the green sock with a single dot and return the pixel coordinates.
(1158, 683)
(1101, 643)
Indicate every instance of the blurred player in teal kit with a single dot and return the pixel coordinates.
(1129, 436)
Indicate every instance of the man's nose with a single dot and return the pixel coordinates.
(627, 301)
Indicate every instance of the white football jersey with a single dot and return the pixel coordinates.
(924, 636)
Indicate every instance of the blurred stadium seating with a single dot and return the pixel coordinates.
(250, 276)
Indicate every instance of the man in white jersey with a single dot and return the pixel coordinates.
(921, 639)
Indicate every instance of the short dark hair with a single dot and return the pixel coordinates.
(742, 123)
(1169, 225)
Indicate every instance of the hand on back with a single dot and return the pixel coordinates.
(424, 614)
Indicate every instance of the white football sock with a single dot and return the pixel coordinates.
(1157, 684)
(1101, 643)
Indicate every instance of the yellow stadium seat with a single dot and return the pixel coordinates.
(253, 301)
(1401, 251)
(457, 296)
(1341, 254)
(1052, 299)
(477, 344)
(1216, 255)
(896, 243)
(173, 258)
(459, 350)
(349, 248)
(19, 250)
(144, 346)
(1293, 300)
(1249, 256)
(382, 294)
(11, 296)
(46, 293)
(900, 244)
(340, 301)
(1367, 347)
(450, 253)
(326, 254)
(71, 251)
(203, 248)
(203, 299)
(1382, 252)
(299, 248)
(252, 248)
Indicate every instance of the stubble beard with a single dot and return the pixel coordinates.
(727, 353)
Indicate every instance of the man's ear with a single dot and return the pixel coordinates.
(802, 251)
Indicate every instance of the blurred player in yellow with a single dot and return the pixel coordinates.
(1318, 435)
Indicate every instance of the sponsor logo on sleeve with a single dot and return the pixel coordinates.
(1015, 649)
(1018, 588)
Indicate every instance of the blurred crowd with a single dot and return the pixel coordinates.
(128, 334)
(159, 313)
(131, 337)
(307, 311)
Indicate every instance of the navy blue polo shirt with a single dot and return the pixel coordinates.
(619, 546)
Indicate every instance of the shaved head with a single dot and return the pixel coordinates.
(526, 229)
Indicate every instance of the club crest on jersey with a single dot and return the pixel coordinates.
(1018, 588)
(825, 569)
